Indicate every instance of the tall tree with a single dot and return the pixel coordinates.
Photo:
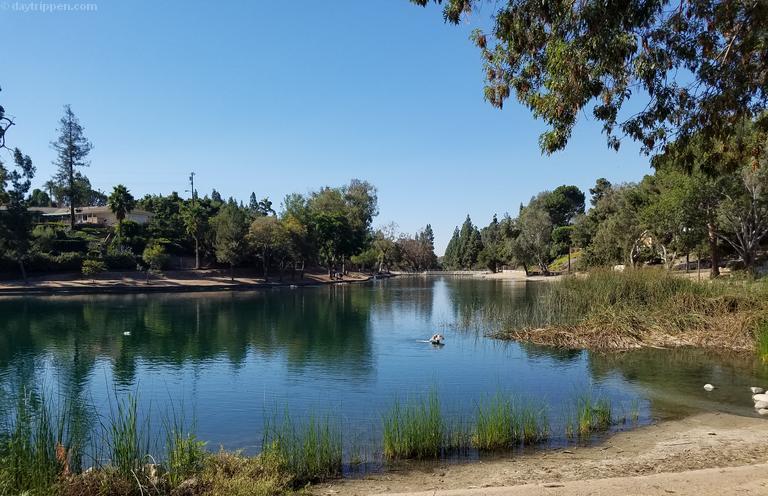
(452, 256)
(230, 227)
(492, 255)
(72, 149)
(15, 221)
(121, 202)
(5, 123)
(267, 236)
(695, 67)
(470, 244)
(534, 238)
(743, 212)
(195, 218)
(564, 204)
(39, 198)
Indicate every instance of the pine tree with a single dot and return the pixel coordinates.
(451, 257)
(72, 148)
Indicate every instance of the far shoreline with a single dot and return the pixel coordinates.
(213, 280)
(188, 281)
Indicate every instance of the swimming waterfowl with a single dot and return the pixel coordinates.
(708, 387)
(437, 339)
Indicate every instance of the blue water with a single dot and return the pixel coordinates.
(232, 360)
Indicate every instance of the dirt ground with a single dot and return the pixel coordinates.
(186, 280)
(717, 454)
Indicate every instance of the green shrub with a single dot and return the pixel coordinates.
(155, 257)
(120, 260)
(65, 262)
(93, 267)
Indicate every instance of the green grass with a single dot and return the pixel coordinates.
(415, 429)
(28, 460)
(502, 422)
(128, 440)
(590, 415)
(185, 454)
(762, 340)
(311, 452)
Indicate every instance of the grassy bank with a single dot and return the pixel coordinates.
(607, 310)
(49, 449)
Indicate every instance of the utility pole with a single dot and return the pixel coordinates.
(192, 185)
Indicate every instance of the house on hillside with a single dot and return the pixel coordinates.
(95, 216)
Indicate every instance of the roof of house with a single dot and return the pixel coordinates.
(54, 211)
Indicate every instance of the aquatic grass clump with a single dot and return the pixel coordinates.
(591, 415)
(533, 422)
(494, 424)
(415, 429)
(762, 340)
(185, 454)
(611, 310)
(311, 452)
(39, 442)
(128, 441)
(503, 422)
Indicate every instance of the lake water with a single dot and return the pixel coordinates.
(231, 359)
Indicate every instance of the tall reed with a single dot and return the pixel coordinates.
(503, 422)
(590, 415)
(311, 451)
(128, 441)
(38, 443)
(415, 429)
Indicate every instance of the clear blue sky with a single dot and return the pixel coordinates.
(283, 96)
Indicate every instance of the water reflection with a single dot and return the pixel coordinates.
(346, 350)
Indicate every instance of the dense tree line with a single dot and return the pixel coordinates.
(330, 227)
(667, 216)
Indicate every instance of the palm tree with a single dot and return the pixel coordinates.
(121, 202)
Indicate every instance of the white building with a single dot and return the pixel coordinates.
(97, 216)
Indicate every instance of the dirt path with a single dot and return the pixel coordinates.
(659, 459)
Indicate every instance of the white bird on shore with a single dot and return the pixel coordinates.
(756, 390)
(763, 411)
(708, 387)
(761, 404)
(760, 397)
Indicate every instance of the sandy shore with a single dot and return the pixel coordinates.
(705, 454)
(518, 275)
(169, 281)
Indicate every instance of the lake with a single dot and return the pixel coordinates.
(232, 360)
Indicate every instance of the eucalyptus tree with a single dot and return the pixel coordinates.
(690, 68)
(72, 149)
(743, 213)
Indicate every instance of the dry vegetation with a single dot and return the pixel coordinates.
(608, 310)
